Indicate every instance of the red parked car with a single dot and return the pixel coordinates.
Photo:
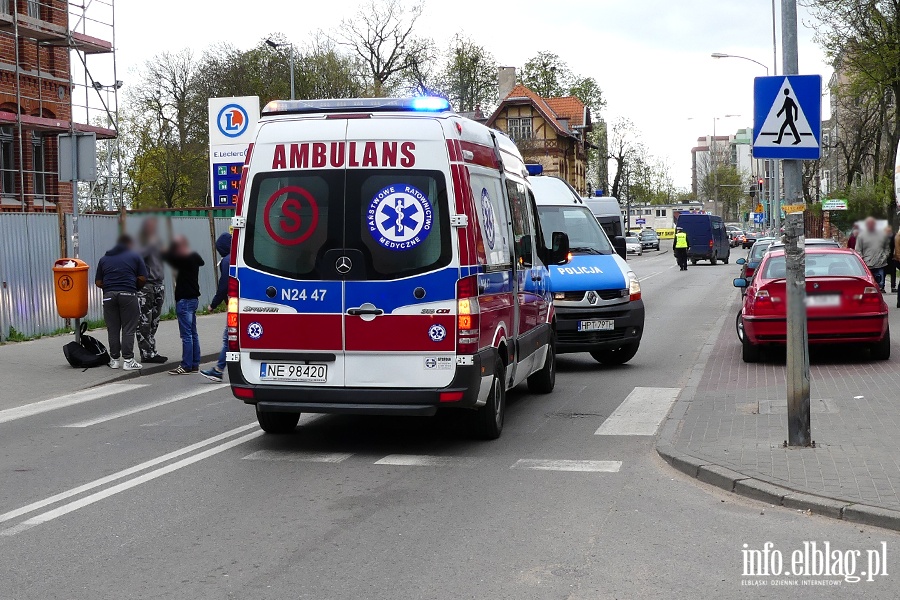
(843, 303)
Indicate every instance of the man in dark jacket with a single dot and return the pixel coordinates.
(120, 274)
(187, 265)
(223, 247)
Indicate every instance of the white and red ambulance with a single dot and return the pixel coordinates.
(387, 259)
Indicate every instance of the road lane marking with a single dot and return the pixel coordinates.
(124, 473)
(572, 466)
(36, 408)
(423, 460)
(646, 277)
(641, 413)
(127, 485)
(299, 456)
(134, 410)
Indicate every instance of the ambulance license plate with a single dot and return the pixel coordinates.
(605, 325)
(293, 372)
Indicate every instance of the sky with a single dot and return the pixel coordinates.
(651, 57)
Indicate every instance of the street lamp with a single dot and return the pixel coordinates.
(276, 46)
(723, 55)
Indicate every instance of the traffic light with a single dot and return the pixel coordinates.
(761, 182)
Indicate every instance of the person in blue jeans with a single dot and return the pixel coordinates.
(223, 247)
(187, 265)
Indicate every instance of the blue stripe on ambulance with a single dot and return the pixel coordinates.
(304, 296)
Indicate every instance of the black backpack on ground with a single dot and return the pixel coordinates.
(89, 353)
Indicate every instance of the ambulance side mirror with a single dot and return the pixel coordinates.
(619, 245)
(559, 253)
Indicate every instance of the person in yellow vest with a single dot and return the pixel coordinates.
(681, 248)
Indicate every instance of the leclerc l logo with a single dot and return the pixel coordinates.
(233, 120)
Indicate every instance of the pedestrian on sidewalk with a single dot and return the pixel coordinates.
(121, 272)
(854, 233)
(153, 294)
(223, 247)
(873, 248)
(893, 260)
(187, 265)
(680, 248)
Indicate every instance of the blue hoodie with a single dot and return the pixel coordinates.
(223, 247)
(119, 269)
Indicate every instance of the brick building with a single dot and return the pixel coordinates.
(37, 85)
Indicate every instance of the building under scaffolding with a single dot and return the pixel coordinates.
(57, 75)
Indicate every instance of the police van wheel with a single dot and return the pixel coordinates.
(487, 422)
(276, 422)
(544, 380)
(616, 356)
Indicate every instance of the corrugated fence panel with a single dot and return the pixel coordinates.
(29, 245)
(96, 235)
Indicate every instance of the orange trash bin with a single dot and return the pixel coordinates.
(70, 281)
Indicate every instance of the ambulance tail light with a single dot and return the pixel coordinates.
(468, 315)
(234, 288)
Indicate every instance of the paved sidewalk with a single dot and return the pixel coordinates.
(729, 425)
(37, 370)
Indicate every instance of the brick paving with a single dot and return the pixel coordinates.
(737, 418)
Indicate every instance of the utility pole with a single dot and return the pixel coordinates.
(795, 257)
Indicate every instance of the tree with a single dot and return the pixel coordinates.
(469, 77)
(382, 36)
(547, 75)
(724, 182)
(624, 150)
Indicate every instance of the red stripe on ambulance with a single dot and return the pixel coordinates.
(404, 333)
(290, 331)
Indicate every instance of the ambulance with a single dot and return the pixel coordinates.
(599, 308)
(387, 260)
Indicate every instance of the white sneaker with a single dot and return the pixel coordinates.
(114, 363)
(132, 365)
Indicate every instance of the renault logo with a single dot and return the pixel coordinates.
(592, 297)
(343, 265)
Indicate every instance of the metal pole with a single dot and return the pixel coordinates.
(293, 95)
(795, 257)
(715, 161)
(775, 190)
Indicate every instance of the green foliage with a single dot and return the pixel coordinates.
(873, 199)
(469, 77)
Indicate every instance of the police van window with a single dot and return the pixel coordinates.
(523, 230)
(291, 218)
(585, 234)
(400, 219)
(493, 216)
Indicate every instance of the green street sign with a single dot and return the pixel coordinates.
(832, 204)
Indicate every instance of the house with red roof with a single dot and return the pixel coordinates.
(548, 131)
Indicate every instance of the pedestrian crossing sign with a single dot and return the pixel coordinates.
(787, 117)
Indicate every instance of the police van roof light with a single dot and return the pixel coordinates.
(534, 170)
(418, 104)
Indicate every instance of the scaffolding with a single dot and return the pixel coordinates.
(58, 75)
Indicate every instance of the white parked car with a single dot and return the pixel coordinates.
(633, 246)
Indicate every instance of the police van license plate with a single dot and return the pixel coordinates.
(293, 372)
(605, 325)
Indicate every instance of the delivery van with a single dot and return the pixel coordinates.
(596, 295)
(387, 260)
(707, 237)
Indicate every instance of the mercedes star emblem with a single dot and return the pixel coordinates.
(343, 265)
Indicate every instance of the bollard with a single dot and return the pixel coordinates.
(797, 335)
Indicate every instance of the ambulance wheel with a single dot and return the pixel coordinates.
(616, 356)
(487, 421)
(277, 422)
(544, 380)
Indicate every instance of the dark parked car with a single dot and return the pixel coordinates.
(649, 240)
(750, 238)
(749, 264)
(707, 239)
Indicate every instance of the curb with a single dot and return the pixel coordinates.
(751, 487)
(152, 370)
(778, 495)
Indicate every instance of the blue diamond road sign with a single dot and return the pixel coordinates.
(787, 121)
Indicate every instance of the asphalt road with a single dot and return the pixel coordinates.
(166, 489)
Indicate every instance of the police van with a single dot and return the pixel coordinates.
(597, 296)
(387, 260)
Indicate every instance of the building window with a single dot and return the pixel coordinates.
(826, 140)
(661, 212)
(7, 162)
(521, 128)
(39, 165)
(4, 7)
(34, 9)
(826, 182)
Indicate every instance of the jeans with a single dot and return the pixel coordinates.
(186, 311)
(121, 313)
(878, 274)
(220, 366)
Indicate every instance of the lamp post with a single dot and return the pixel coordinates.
(114, 121)
(713, 152)
(723, 55)
(276, 46)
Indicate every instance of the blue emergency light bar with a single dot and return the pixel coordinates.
(418, 104)
(534, 170)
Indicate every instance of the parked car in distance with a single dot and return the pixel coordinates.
(633, 245)
(749, 264)
(750, 238)
(843, 303)
(707, 239)
(649, 240)
(809, 242)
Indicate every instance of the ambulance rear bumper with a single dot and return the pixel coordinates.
(461, 393)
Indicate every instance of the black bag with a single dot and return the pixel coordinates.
(89, 353)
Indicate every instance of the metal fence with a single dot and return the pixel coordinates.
(30, 244)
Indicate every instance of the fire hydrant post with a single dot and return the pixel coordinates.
(797, 334)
